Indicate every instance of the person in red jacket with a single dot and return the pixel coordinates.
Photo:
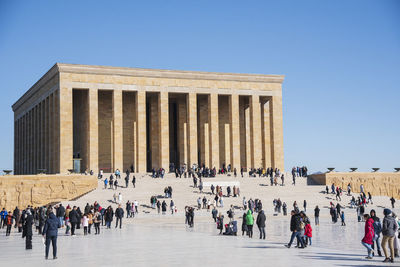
(308, 233)
(369, 234)
(9, 221)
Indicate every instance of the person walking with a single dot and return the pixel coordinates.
(50, 232)
(295, 228)
(73, 219)
(134, 181)
(388, 232)
(261, 223)
(378, 231)
(369, 233)
(305, 205)
(342, 218)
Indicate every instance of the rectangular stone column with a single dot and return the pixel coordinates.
(37, 137)
(255, 131)
(66, 129)
(247, 114)
(43, 140)
(117, 131)
(266, 136)
(235, 131)
(191, 105)
(51, 134)
(93, 130)
(182, 132)
(213, 130)
(277, 132)
(57, 130)
(163, 120)
(141, 153)
(30, 142)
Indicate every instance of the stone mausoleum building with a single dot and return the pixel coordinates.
(113, 118)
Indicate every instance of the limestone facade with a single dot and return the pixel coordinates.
(114, 118)
(378, 183)
(38, 190)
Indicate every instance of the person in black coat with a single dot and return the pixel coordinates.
(73, 219)
(27, 232)
(119, 214)
(261, 223)
(295, 228)
(61, 214)
(16, 214)
(50, 230)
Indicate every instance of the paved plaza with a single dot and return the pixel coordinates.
(151, 239)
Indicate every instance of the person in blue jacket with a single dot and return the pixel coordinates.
(50, 230)
(3, 216)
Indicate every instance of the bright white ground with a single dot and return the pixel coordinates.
(153, 240)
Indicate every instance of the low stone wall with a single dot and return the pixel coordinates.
(378, 183)
(38, 190)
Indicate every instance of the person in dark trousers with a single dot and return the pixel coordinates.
(73, 219)
(392, 200)
(316, 215)
(261, 223)
(61, 214)
(9, 221)
(27, 232)
(126, 181)
(305, 205)
(134, 181)
(50, 230)
(16, 214)
(119, 214)
(295, 228)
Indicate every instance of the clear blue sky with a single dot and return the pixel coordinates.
(341, 60)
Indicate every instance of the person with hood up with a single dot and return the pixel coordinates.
(388, 231)
(261, 223)
(50, 230)
(27, 229)
(249, 223)
(369, 234)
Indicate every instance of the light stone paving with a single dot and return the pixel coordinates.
(153, 240)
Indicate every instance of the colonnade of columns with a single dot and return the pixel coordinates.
(36, 137)
(124, 128)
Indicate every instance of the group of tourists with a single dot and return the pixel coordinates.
(389, 228)
(112, 182)
(45, 221)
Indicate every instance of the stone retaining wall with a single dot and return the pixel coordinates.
(378, 183)
(38, 190)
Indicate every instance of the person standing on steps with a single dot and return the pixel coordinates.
(134, 181)
(50, 231)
